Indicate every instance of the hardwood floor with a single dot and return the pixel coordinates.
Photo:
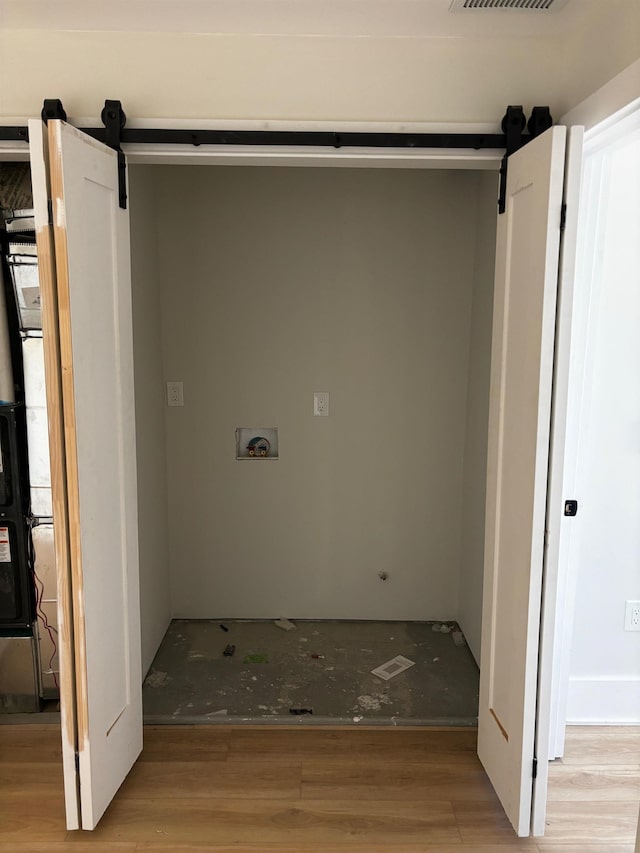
(594, 790)
(356, 790)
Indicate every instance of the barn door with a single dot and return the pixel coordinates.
(88, 308)
(527, 252)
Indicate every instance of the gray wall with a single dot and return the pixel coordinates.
(155, 607)
(280, 282)
(475, 447)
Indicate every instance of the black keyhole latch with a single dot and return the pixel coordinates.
(570, 508)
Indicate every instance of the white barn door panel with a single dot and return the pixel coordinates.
(527, 250)
(91, 234)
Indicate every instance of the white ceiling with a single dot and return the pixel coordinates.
(381, 18)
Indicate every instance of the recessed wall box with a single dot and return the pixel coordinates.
(257, 443)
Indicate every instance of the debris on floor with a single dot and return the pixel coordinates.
(224, 627)
(392, 667)
(373, 703)
(285, 624)
(458, 638)
(229, 651)
(337, 685)
(444, 627)
(256, 658)
(157, 679)
(298, 712)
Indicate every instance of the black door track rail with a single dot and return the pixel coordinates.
(115, 134)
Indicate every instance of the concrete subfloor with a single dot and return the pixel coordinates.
(191, 681)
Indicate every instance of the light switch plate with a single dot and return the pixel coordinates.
(175, 394)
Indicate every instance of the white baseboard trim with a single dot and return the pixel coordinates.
(598, 701)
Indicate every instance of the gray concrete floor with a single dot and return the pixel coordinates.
(191, 681)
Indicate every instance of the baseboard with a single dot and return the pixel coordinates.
(603, 701)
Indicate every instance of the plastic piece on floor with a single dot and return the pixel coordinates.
(285, 624)
(256, 658)
(393, 667)
(298, 712)
(458, 638)
(229, 651)
(224, 627)
(157, 679)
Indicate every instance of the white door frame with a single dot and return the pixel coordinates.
(595, 139)
(560, 469)
(612, 103)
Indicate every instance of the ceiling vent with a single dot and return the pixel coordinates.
(523, 5)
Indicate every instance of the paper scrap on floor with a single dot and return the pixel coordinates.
(285, 624)
(393, 667)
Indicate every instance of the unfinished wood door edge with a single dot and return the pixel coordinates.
(46, 269)
(55, 428)
(69, 429)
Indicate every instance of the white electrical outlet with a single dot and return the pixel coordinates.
(321, 404)
(632, 616)
(175, 396)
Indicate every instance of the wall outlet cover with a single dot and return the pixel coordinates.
(175, 394)
(321, 404)
(632, 616)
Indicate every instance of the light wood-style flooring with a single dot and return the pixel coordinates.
(345, 791)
